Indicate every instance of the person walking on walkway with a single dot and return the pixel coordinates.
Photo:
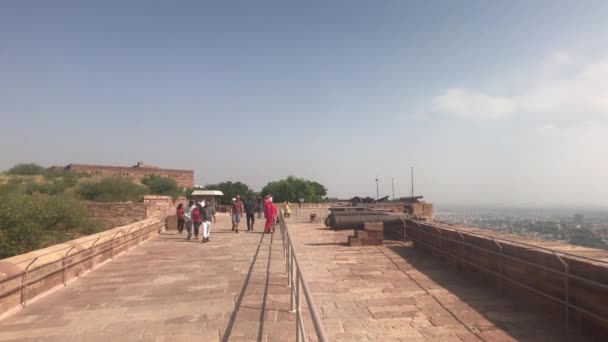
(287, 209)
(197, 220)
(208, 218)
(181, 213)
(237, 212)
(259, 207)
(250, 213)
(270, 213)
(188, 218)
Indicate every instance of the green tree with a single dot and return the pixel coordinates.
(292, 189)
(320, 190)
(29, 169)
(112, 189)
(230, 190)
(188, 192)
(29, 222)
(162, 185)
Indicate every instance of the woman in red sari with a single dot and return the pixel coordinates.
(271, 214)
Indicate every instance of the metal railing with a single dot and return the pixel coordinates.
(298, 286)
(427, 228)
(108, 245)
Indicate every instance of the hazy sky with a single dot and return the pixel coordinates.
(498, 103)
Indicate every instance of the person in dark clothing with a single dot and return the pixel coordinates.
(208, 219)
(181, 213)
(260, 207)
(250, 213)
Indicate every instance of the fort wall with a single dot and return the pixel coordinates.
(183, 178)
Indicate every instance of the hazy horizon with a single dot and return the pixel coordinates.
(500, 104)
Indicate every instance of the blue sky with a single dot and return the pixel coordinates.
(499, 103)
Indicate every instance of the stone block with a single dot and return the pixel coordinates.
(373, 226)
(354, 241)
(375, 235)
(361, 234)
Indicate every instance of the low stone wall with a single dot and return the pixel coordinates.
(521, 268)
(26, 276)
(159, 206)
(117, 214)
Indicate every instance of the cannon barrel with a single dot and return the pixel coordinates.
(356, 219)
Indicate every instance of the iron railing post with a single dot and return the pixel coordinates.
(300, 288)
(292, 299)
(24, 283)
(289, 255)
(65, 266)
(298, 311)
(499, 263)
(114, 237)
(566, 294)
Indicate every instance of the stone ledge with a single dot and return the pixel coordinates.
(52, 266)
(464, 247)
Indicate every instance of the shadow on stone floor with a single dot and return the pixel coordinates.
(514, 317)
(327, 244)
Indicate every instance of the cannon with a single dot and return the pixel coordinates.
(355, 217)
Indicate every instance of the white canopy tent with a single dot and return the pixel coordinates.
(200, 195)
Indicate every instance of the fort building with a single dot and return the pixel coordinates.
(184, 178)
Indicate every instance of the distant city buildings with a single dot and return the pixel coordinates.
(578, 218)
(592, 232)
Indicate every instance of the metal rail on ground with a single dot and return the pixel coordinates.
(299, 286)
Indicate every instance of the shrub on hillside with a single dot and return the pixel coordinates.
(57, 186)
(112, 189)
(161, 185)
(30, 222)
(29, 169)
(69, 176)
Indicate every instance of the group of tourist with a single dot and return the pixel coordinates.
(196, 215)
(250, 208)
(203, 214)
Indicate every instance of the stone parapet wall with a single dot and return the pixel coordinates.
(56, 265)
(117, 214)
(527, 270)
(158, 206)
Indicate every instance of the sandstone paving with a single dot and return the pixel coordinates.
(170, 289)
(233, 288)
(397, 293)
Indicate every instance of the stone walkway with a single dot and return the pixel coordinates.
(396, 293)
(233, 289)
(170, 289)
